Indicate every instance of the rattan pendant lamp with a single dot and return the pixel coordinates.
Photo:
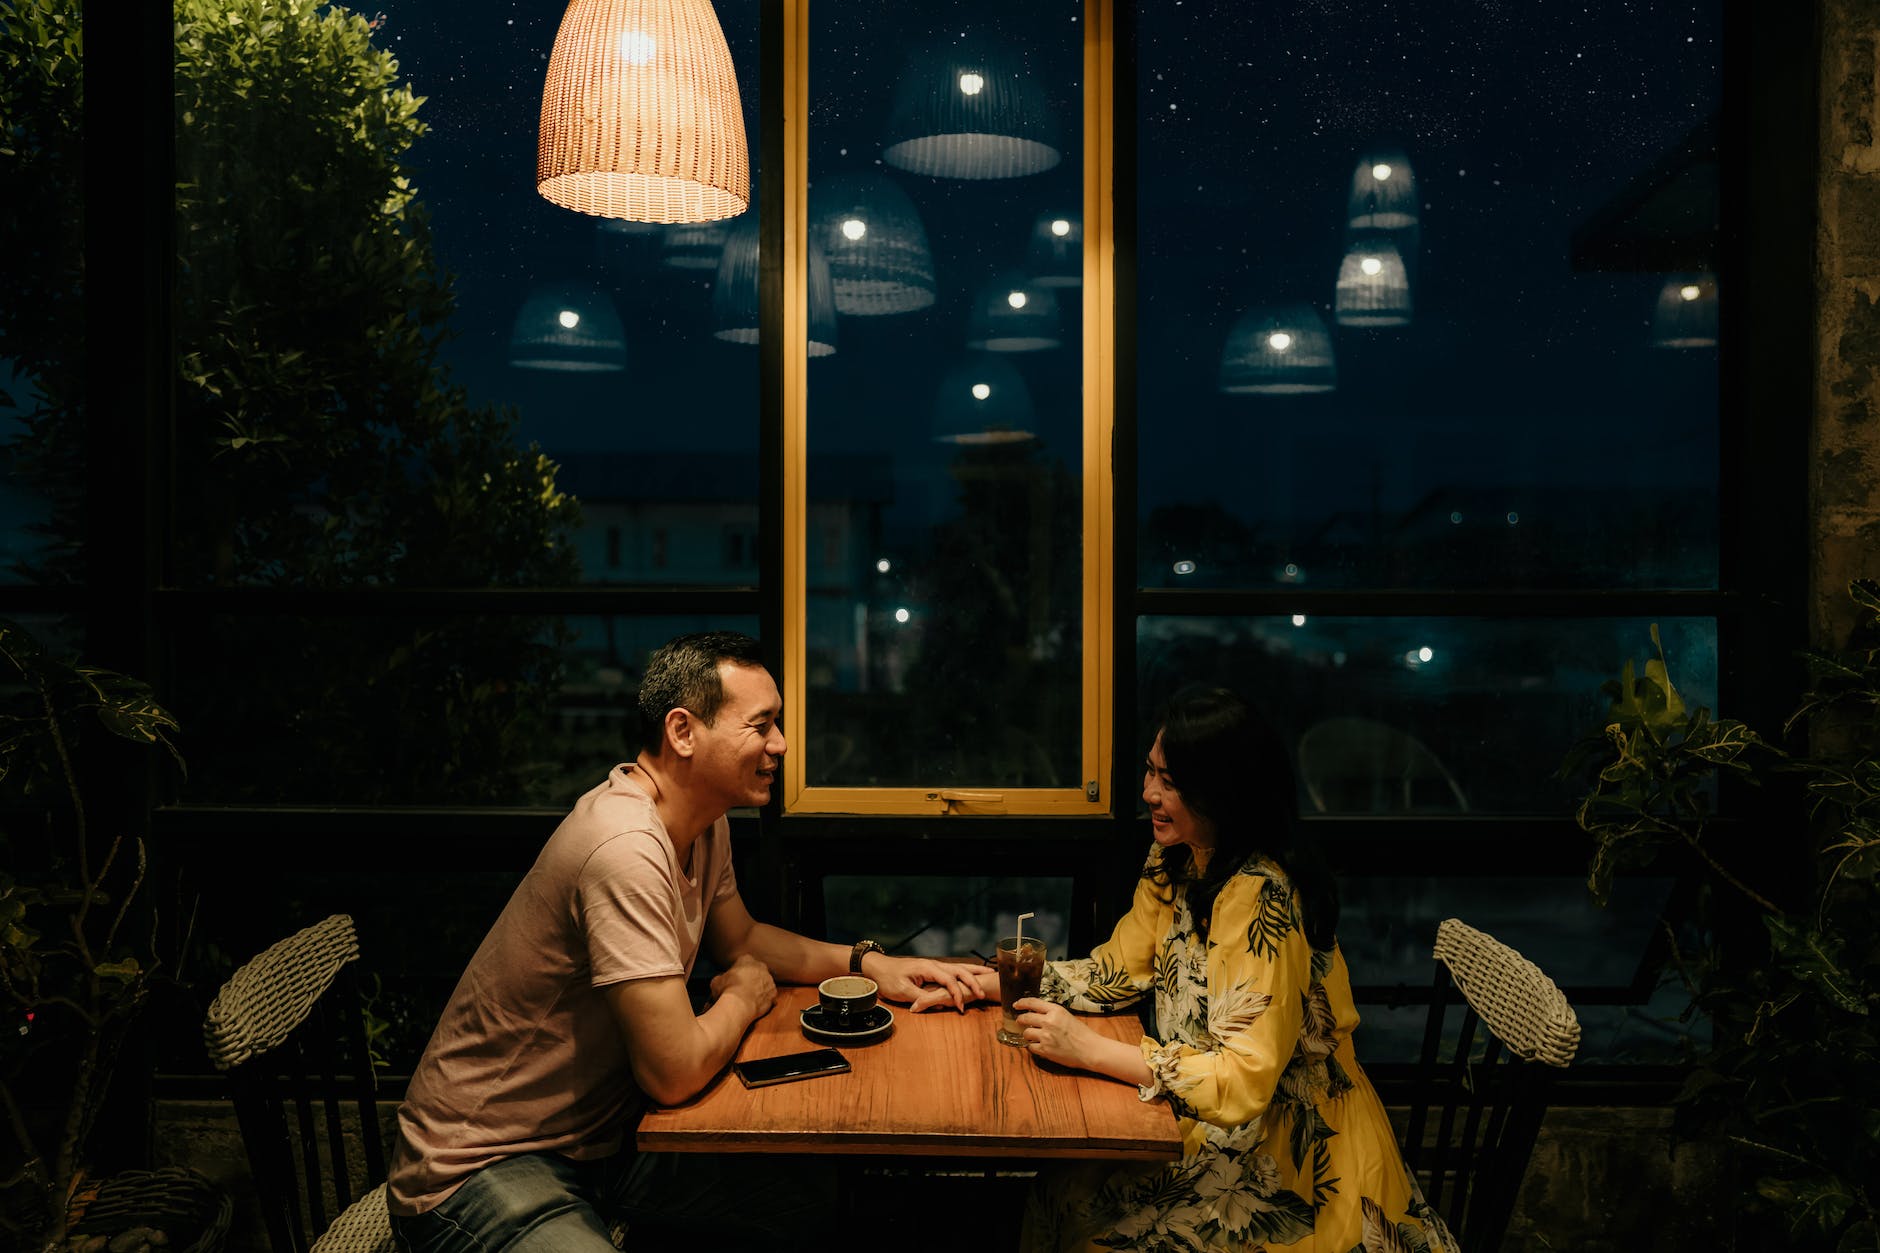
(640, 114)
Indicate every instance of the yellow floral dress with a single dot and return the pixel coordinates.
(1285, 1144)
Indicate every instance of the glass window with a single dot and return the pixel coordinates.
(945, 618)
(385, 710)
(440, 378)
(947, 916)
(1427, 296)
(1422, 715)
(43, 375)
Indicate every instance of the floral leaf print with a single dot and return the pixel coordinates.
(1281, 1218)
(1337, 1081)
(1324, 1182)
(1318, 1028)
(1272, 921)
(1321, 964)
(1236, 1010)
(1380, 1235)
(1308, 1130)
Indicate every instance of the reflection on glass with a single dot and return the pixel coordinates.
(1056, 256)
(1686, 313)
(875, 242)
(946, 916)
(735, 310)
(1014, 314)
(1373, 285)
(971, 108)
(1383, 191)
(1421, 715)
(1510, 370)
(961, 468)
(567, 326)
(1285, 351)
(983, 400)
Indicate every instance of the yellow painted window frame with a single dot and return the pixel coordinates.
(1099, 377)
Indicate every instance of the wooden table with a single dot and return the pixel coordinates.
(939, 1085)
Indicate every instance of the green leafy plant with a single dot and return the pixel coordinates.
(78, 934)
(1792, 1074)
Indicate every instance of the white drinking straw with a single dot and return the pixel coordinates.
(1018, 943)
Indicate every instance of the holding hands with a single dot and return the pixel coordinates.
(925, 982)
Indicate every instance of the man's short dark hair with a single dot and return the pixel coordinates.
(683, 674)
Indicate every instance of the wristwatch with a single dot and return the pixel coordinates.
(861, 949)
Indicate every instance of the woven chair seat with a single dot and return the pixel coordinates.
(1521, 1005)
(271, 995)
(365, 1227)
(188, 1207)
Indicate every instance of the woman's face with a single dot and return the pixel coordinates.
(1172, 822)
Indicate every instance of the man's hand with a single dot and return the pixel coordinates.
(748, 978)
(924, 982)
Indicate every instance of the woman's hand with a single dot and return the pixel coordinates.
(1057, 1035)
(923, 981)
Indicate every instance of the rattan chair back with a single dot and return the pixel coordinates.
(289, 1029)
(1482, 1089)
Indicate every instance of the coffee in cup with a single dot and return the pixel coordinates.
(1021, 973)
(846, 1000)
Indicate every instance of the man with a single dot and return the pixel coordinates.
(575, 1009)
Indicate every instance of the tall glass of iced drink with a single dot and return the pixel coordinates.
(1021, 971)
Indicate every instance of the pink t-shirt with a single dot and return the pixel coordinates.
(527, 1056)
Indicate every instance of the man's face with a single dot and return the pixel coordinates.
(738, 754)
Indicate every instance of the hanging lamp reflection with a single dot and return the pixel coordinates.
(1383, 191)
(1278, 351)
(693, 245)
(983, 401)
(1014, 314)
(968, 109)
(735, 309)
(876, 245)
(569, 327)
(640, 114)
(1056, 255)
(1373, 284)
(1686, 313)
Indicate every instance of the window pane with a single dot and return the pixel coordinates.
(1387, 928)
(946, 916)
(1422, 715)
(42, 316)
(476, 387)
(945, 461)
(501, 710)
(1432, 303)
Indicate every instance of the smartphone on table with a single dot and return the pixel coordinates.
(764, 1071)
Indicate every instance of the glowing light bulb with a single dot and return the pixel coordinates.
(1299, 619)
(902, 615)
(1425, 653)
(568, 318)
(1690, 291)
(1016, 299)
(854, 228)
(1060, 227)
(971, 84)
(1380, 171)
(981, 391)
(636, 47)
(1184, 567)
(884, 565)
(1371, 265)
(1279, 341)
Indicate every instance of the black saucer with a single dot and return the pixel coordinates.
(861, 1028)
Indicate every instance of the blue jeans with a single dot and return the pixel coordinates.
(544, 1203)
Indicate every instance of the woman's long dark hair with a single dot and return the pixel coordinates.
(1232, 768)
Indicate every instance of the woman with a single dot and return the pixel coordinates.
(1285, 1144)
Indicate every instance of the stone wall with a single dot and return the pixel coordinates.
(1845, 486)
